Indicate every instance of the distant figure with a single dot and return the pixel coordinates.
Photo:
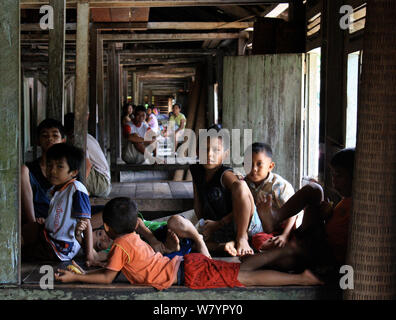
(134, 131)
(98, 180)
(127, 113)
(179, 121)
(152, 120)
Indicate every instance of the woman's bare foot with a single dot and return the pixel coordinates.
(242, 247)
(172, 242)
(267, 214)
(229, 247)
(309, 279)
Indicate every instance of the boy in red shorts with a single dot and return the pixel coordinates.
(142, 266)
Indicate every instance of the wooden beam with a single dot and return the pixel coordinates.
(102, 137)
(92, 79)
(164, 52)
(56, 61)
(28, 4)
(81, 95)
(168, 37)
(10, 256)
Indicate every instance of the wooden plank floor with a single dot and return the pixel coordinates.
(153, 190)
(161, 196)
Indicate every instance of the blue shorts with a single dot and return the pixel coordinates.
(255, 224)
(180, 274)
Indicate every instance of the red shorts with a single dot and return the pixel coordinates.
(201, 272)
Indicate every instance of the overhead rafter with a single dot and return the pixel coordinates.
(27, 4)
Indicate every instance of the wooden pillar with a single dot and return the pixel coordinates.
(102, 137)
(372, 241)
(113, 101)
(81, 98)
(124, 85)
(332, 91)
(10, 142)
(219, 77)
(210, 114)
(56, 61)
(93, 64)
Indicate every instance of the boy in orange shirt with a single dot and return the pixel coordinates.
(142, 266)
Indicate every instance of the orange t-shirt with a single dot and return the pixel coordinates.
(337, 228)
(140, 264)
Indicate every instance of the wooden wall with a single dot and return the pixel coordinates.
(264, 93)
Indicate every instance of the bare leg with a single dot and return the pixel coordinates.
(308, 197)
(172, 242)
(242, 208)
(28, 215)
(275, 278)
(284, 258)
(183, 228)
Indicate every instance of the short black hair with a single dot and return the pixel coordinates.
(258, 147)
(225, 139)
(51, 123)
(73, 155)
(121, 214)
(177, 104)
(344, 158)
(139, 108)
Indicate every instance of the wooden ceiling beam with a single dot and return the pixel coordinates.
(31, 4)
(169, 36)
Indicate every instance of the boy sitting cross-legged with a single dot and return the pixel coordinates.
(142, 266)
(69, 212)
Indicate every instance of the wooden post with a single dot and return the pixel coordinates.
(333, 90)
(56, 61)
(113, 101)
(81, 98)
(372, 239)
(93, 64)
(10, 143)
(210, 115)
(102, 137)
(219, 78)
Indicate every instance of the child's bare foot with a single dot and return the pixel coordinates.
(310, 279)
(229, 247)
(267, 214)
(172, 242)
(243, 248)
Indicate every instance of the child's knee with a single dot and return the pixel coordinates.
(315, 191)
(176, 222)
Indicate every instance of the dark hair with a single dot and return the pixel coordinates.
(258, 147)
(73, 155)
(120, 214)
(177, 104)
(125, 108)
(344, 158)
(51, 123)
(225, 139)
(138, 109)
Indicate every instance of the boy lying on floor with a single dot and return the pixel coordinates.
(141, 265)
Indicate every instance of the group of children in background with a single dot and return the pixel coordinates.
(252, 217)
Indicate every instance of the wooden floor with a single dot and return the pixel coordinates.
(121, 289)
(153, 190)
(163, 198)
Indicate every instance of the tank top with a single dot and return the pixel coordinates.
(215, 199)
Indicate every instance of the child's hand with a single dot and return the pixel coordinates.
(40, 220)
(279, 241)
(82, 224)
(95, 263)
(66, 275)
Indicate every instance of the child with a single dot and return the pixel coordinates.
(262, 181)
(221, 197)
(323, 235)
(173, 237)
(179, 122)
(34, 183)
(133, 151)
(57, 239)
(141, 265)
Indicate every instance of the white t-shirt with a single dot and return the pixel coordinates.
(96, 157)
(131, 128)
(66, 206)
